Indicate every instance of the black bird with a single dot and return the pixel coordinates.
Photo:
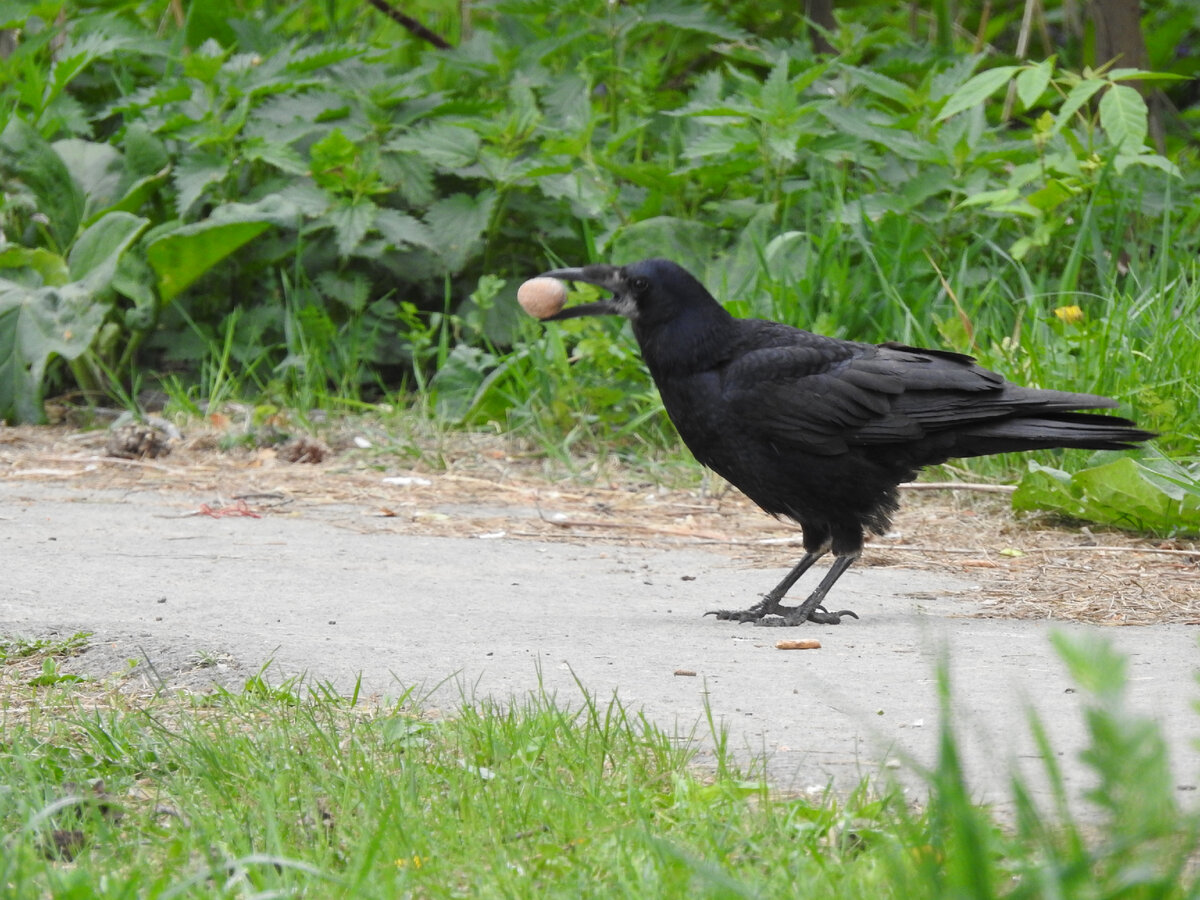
(818, 429)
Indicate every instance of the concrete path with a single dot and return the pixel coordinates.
(467, 617)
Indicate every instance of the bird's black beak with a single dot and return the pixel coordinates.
(602, 276)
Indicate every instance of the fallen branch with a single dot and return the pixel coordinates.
(958, 486)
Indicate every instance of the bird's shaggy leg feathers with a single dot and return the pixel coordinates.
(770, 611)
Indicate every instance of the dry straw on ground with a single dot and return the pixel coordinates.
(483, 486)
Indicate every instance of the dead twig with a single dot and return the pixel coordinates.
(411, 24)
(958, 486)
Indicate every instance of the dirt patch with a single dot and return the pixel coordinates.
(482, 484)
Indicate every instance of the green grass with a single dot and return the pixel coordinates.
(289, 790)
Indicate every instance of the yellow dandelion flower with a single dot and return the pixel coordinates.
(1072, 315)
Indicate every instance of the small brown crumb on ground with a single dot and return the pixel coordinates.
(798, 645)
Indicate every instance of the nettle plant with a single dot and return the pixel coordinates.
(327, 213)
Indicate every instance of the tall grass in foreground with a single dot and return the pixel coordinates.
(289, 790)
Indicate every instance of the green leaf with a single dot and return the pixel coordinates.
(1126, 494)
(34, 326)
(976, 90)
(280, 156)
(38, 322)
(1033, 81)
(779, 99)
(690, 17)
(1079, 95)
(194, 173)
(462, 381)
(1051, 196)
(181, 256)
(457, 222)
(996, 198)
(1153, 160)
(400, 229)
(145, 153)
(77, 54)
(41, 321)
(33, 266)
(93, 258)
(882, 85)
(331, 157)
(1124, 117)
(96, 168)
(26, 157)
(446, 146)
(351, 220)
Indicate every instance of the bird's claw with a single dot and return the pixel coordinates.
(822, 616)
(818, 614)
(736, 615)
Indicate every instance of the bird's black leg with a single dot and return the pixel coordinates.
(770, 605)
(811, 609)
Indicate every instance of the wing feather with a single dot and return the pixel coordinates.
(826, 396)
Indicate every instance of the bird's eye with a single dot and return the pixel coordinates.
(639, 284)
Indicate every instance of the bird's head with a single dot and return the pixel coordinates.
(648, 293)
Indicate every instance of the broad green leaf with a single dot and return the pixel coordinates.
(400, 229)
(881, 85)
(446, 146)
(1153, 160)
(1144, 76)
(93, 257)
(688, 17)
(280, 156)
(1124, 117)
(308, 59)
(998, 197)
(41, 321)
(1033, 81)
(36, 324)
(96, 168)
(331, 157)
(1126, 494)
(135, 196)
(463, 379)
(778, 98)
(145, 153)
(181, 256)
(1078, 96)
(33, 266)
(412, 176)
(977, 90)
(193, 173)
(457, 222)
(28, 158)
(351, 220)
(1052, 195)
(79, 52)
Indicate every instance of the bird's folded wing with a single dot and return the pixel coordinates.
(805, 397)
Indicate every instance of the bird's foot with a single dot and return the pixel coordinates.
(794, 616)
(736, 615)
(753, 614)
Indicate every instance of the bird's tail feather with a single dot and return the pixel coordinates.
(1082, 431)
